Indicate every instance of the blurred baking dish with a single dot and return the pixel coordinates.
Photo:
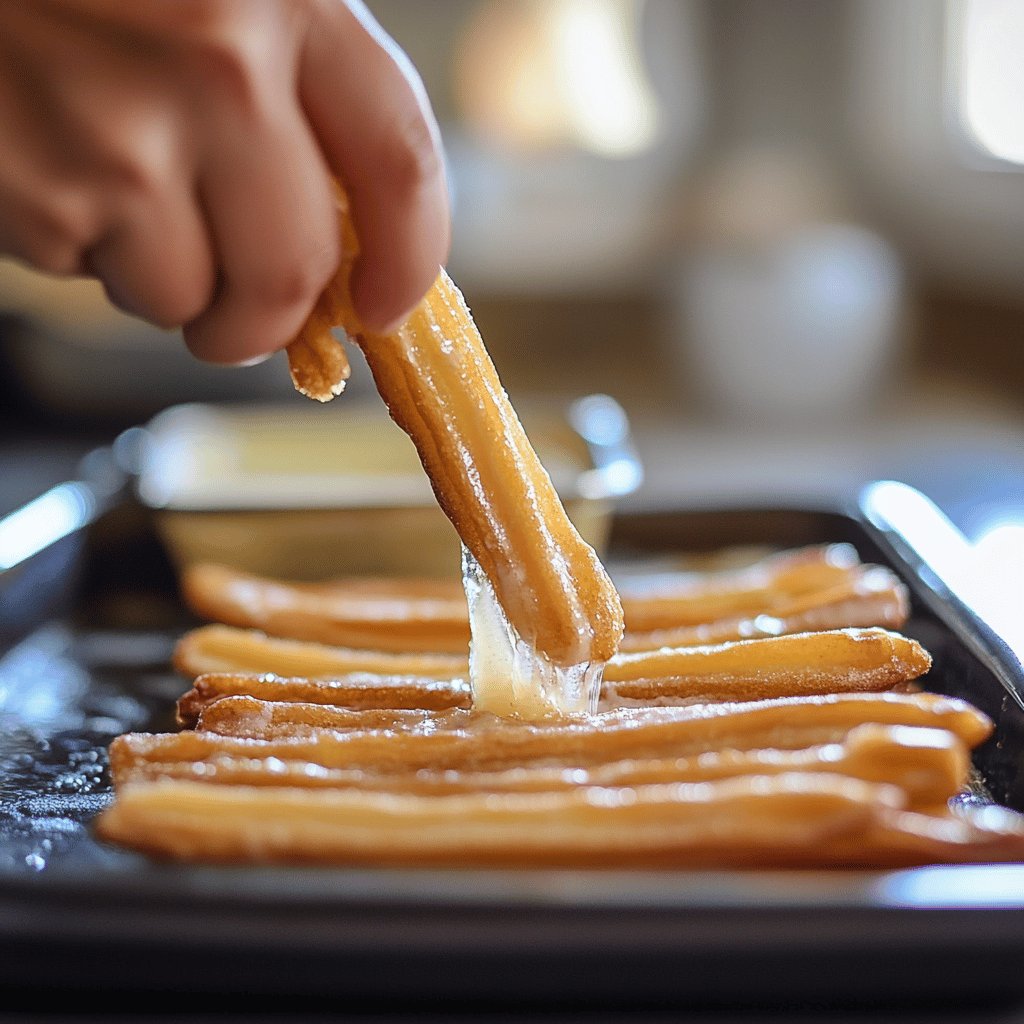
(309, 492)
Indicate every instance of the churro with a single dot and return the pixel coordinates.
(226, 649)
(873, 597)
(316, 359)
(441, 387)
(930, 766)
(431, 615)
(794, 818)
(358, 690)
(399, 615)
(671, 600)
(462, 740)
(802, 663)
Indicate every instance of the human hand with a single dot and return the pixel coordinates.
(182, 152)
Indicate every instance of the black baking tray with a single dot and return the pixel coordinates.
(78, 917)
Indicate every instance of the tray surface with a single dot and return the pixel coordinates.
(73, 683)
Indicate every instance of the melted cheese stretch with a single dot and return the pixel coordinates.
(508, 676)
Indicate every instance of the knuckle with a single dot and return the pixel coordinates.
(294, 284)
(412, 157)
(180, 307)
(62, 230)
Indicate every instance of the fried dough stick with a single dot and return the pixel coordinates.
(803, 663)
(670, 600)
(226, 649)
(871, 597)
(458, 740)
(851, 659)
(929, 765)
(441, 387)
(431, 615)
(791, 819)
(384, 615)
(360, 691)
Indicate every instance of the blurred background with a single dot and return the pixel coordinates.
(787, 236)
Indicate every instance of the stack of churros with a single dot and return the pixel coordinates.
(773, 746)
(761, 716)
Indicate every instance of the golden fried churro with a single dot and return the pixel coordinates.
(746, 820)
(316, 360)
(226, 649)
(441, 387)
(802, 663)
(431, 615)
(791, 819)
(929, 765)
(872, 597)
(357, 690)
(459, 739)
(380, 615)
(666, 601)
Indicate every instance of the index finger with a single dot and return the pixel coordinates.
(372, 119)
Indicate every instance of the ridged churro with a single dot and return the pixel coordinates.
(360, 691)
(463, 740)
(871, 597)
(399, 615)
(796, 819)
(441, 387)
(431, 615)
(930, 765)
(671, 600)
(803, 663)
(738, 820)
(226, 649)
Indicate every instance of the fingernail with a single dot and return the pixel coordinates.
(254, 361)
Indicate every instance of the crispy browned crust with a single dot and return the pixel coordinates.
(440, 386)
(361, 691)
(404, 616)
(488, 480)
(457, 739)
(788, 820)
(225, 649)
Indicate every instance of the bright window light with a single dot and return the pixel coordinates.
(537, 74)
(991, 76)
